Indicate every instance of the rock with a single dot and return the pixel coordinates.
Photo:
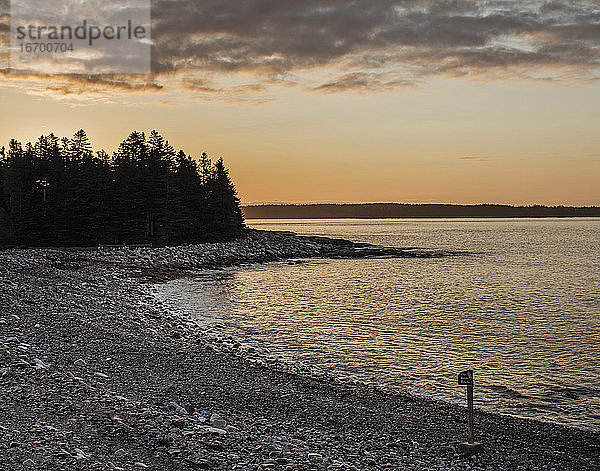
(39, 364)
(199, 417)
(200, 464)
(97, 374)
(29, 463)
(179, 423)
(80, 363)
(139, 464)
(119, 453)
(179, 410)
(79, 454)
(218, 431)
(219, 423)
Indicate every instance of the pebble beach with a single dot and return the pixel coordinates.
(96, 374)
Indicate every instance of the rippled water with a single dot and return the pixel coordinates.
(522, 310)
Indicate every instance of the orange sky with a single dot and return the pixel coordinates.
(500, 112)
(455, 141)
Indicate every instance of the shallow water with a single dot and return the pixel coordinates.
(522, 310)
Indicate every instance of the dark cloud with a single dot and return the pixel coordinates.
(364, 82)
(338, 45)
(378, 44)
(4, 22)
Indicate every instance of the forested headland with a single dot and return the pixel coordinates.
(60, 192)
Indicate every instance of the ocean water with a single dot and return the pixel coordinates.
(522, 309)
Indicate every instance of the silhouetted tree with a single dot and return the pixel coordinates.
(59, 191)
(223, 205)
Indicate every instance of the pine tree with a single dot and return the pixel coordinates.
(160, 162)
(185, 201)
(224, 211)
(130, 162)
(58, 191)
(86, 176)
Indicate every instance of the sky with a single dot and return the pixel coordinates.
(456, 101)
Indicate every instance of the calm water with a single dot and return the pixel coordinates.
(522, 310)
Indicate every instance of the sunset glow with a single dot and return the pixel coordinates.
(463, 102)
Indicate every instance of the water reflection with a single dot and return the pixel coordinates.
(523, 312)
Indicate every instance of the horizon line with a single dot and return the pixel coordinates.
(321, 203)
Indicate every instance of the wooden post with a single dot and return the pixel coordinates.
(469, 447)
(470, 438)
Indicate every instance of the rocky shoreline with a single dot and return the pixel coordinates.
(95, 374)
(255, 247)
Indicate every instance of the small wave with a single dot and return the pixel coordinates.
(506, 391)
(576, 392)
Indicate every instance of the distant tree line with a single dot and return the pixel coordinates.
(61, 192)
(396, 210)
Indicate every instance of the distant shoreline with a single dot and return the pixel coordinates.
(413, 211)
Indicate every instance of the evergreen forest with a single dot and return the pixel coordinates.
(60, 192)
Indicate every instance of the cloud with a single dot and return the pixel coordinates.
(469, 158)
(207, 90)
(363, 82)
(329, 46)
(379, 44)
(79, 84)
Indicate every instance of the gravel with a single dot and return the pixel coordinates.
(96, 374)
